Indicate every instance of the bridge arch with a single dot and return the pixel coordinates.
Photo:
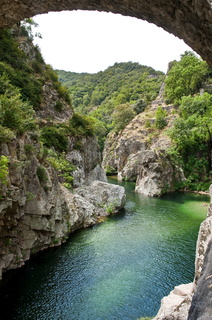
(189, 20)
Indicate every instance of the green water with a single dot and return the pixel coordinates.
(119, 269)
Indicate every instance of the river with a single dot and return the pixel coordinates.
(117, 270)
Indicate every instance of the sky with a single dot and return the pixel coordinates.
(91, 41)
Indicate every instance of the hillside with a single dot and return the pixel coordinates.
(168, 146)
(99, 94)
(46, 152)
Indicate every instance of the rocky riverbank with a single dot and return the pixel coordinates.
(193, 301)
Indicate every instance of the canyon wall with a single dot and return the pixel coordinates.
(37, 211)
(139, 152)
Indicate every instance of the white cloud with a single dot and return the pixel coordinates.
(90, 41)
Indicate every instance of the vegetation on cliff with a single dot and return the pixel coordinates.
(128, 86)
(24, 81)
(105, 101)
(189, 85)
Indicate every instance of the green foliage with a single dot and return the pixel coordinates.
(9, 50)
(6, 134)
(24, 72)
(160, 122)
(147, 123)
(4, 162)
(59, 106)
(14, 65)
(55, 137)
(199, 105)
(29, 149)
(42, 174)
(27, 26)
(111, 207)
(124, 83)
(62, 90)
(15, 114)
(185, 77)
(64, 167)
(122, 115)
(81, 125)
(192, 137)
(139, 106)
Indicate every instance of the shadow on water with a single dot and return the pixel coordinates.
(119, 269)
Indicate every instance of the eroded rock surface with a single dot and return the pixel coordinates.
(139, 153)
(176, 305)
(36, 214)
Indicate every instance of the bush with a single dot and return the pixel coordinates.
(61, 90)
(80, 125)
(160, 122)
(121, 116)
(64, 167)
(6, 134)
(15, 114)
(55, 137)
(42, 174)
(58, 106)
(185, 77)
(4, 162)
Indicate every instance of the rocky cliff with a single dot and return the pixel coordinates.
(138, 153)
(37, 211)
(44, 156)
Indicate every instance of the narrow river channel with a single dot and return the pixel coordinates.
(117, 270)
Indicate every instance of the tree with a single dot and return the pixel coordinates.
(192, 137)
(184, 77)
(15, 114)
(160, 118)
(121, 116)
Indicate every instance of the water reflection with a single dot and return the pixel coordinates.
(117, 270)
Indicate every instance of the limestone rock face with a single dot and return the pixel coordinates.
(48, 107)
(104, 196)
(176, 305)
(201, 307)
(155, 173)
(188, 20)
(138, 153)
(87, 161)
(36, 214)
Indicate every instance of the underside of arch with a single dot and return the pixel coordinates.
(190, 20)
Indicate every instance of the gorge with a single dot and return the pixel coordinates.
(119, 269)
(192, 22)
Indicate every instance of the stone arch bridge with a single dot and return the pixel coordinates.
(190, 20)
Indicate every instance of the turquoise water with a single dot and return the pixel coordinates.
(119, 269)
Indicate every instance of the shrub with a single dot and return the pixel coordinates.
(15, 114)
(55, 137)
(80, 125)
(59, 106)
(160, 122)
(4, 162)
(64, 167)
(6, 134)
(29, 148)
(121, 116)
(185, 77)
(61, 90)
(42, 174)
